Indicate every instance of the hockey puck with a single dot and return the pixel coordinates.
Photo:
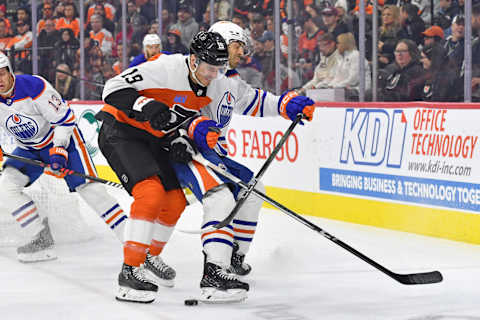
(191, 302)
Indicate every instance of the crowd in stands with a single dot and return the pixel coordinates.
(419, 56)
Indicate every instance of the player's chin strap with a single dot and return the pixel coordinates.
(407, 279)
(243, 196)
(62, 172)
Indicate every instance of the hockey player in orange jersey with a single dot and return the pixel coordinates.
(146, 105)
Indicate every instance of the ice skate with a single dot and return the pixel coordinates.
(40, 248)
(134, 287)
(237, 266)
(159, 272)
(220, 286)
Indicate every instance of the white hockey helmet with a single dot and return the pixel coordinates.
(5, 62)
(231, 32)
(151, 38)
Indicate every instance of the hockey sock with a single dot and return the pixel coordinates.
(106, 207)
(217, 244)
(20, 205)
(245, 223)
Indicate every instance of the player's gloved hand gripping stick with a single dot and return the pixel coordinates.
(63, 171)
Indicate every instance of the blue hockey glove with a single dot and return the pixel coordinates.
(58, 158)
(292, 104)
(204, 132)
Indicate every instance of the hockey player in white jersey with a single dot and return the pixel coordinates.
(45, 129)
(228, 95)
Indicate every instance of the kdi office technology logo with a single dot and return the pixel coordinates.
(373, 137)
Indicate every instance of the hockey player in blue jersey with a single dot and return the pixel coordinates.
(44, 128)
(152, 46)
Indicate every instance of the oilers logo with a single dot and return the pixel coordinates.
(225, 108)
(22, 127)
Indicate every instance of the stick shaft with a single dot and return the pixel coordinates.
(69, 172)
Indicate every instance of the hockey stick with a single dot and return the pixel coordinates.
(67, 171)
(413, 278)
(259, 175)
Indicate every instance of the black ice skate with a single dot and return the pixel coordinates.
(134, 287)
(237, 266)
(159, 272)
(218, 285)
(40, 248)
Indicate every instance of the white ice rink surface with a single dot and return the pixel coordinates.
(297, 274)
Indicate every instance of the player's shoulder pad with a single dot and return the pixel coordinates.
(29, 86)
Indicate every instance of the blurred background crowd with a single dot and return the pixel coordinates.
(419, 46)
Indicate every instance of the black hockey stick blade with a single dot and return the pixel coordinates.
(419, 278)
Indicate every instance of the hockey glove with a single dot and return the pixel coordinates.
(292, 104)
(204, 132)
(58, 158)
(157, 113)
(182, 149)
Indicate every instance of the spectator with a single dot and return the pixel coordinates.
(148, 9)
(109, 10)
(403, 80)
(476, 53)
(257, 27)
(167, 21)
(69, 20)
(102, 35)
(19, 43)
(139, 30)
(23, 15)
(328, 62)
(412, 24)
(347, 74)
(174, 43)
(240, 20)
(107, 23)
(41, 6)
(432, 35)
(4, 36)
(118, 64)
(332, 23)
(65, 84)
(268, 55)
(390, 33)
(47, 51)
(455, 43)
(47, 15)
(187, 26)
(448, 10)
(66, 47)
(439, 77)
(3, 17)
(59, 10)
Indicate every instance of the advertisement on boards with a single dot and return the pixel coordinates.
(414, 155)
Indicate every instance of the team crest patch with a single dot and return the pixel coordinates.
(22, 127)
(225, 108)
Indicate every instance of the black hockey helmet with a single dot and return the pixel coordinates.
(210, 47)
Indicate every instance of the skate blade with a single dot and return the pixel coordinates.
(214, 296)
(132, 295)
(159, 281)
(39, 256)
